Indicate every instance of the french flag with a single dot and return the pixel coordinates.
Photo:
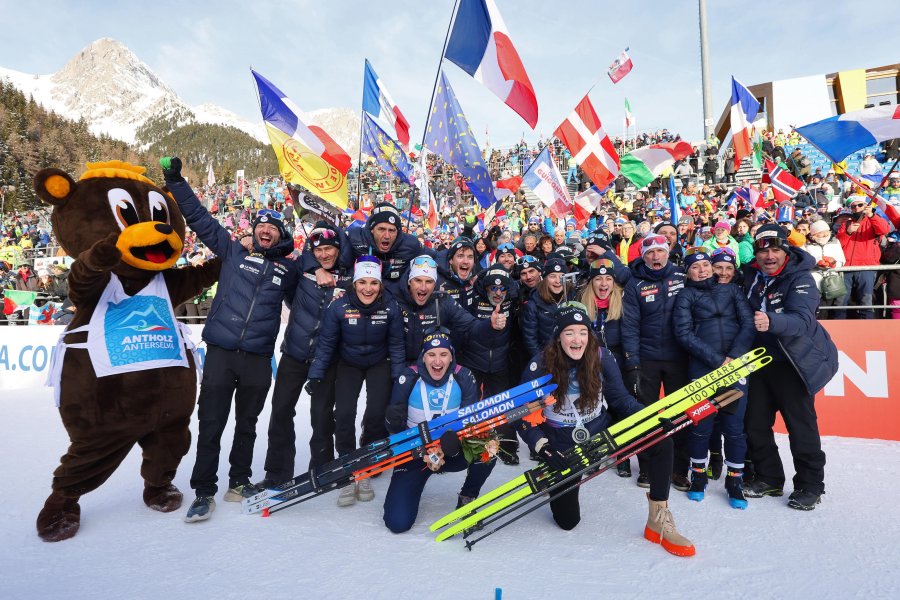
(480, 45)
(744, 108)
(378, 103)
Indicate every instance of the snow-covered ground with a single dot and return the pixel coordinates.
(846, 548)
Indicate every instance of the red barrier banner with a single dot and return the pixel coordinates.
(863, 398)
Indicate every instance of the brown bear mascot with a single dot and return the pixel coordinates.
(124, 370)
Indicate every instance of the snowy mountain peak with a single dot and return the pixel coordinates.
(112, 89)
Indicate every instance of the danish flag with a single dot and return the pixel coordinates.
(583, 135)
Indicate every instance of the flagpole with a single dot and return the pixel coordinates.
(437, 78)
(362, 117)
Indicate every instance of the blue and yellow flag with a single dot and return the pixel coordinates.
(379, 145)
(449, 136)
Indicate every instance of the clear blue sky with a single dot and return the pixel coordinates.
(314, 51)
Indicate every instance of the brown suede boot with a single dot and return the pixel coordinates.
(59, 519)
(660, 529)
(164, 499)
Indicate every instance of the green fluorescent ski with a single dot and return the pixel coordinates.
(681, 403)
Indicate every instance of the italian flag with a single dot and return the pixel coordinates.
(12, 299)
(645, 164)
(629, 117)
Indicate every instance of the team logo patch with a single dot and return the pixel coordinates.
(402, 379)
(391, 220)
(532, 366)
(496, 282)
(577, 317)
(435, 342)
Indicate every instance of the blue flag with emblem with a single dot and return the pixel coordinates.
(386, 152)
(448, 135)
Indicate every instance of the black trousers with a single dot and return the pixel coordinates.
(348, 382)
(282, 448)
(658, 460)
(247, 378)
(778, 388)
(494, 383)
(671, 375)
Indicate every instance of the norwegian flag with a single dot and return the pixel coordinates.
(583, 135)
(784, 185)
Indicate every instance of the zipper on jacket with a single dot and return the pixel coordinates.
(259, 283)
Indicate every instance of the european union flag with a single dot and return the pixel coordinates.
(449, 136)
(387, 152)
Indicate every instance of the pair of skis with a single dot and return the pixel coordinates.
(472, 420)
(690, 404)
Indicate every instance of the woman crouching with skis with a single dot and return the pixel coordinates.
(435, 385)
(590, 387)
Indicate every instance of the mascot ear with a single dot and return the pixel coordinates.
(54, 186)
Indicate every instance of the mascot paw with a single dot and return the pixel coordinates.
(164, 499)
(59, 519)
(104, 255)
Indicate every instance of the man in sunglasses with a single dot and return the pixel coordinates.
(859, 237)
(240, 339)
(488, 359)
(783, 294)
(382, 237)
(653, 356)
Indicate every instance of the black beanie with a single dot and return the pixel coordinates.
(458, 244)
(384, 213)
(324, 234)
(572, 313)
(269, 216)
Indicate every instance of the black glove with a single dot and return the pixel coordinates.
(450, 443)
(312, 386)
(171, 168)
(553, 458)
(632, 381)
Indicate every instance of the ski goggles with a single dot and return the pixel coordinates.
(573, 304)
(321, 234)
(770, 242)
(527, 262)
(720, 251)
(272, 214)
(506, 247)
(424, 261)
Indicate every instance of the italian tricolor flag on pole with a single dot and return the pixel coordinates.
(645, 164)
(629, 117)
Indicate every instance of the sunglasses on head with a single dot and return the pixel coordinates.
(322, 233)
(602, 263)
(268, 212)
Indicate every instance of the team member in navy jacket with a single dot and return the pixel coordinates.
(321, 253)
(362, 333)
(382, 238)
(652, 354)
(714, 323)
(538, 315)
(783, 294)
(431, 388)
(457, 270)
(424, 310)
(240, 336)
(590, 386)
(489, 360)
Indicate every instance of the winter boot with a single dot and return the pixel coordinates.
(643, 479)
(660, 529)
(759, 488)
(715, 465)
(803, 500)
(623, 469)
(347, 497)
(201, 509)
(165, 498)
(364, 491)
(698, 481)
(462, 501)
(749, 471)
(59, 519)
(238, 492)
(680, 482)
(734, 485)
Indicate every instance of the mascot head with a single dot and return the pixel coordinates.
(114, 197)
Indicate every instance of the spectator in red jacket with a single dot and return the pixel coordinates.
(859, 236)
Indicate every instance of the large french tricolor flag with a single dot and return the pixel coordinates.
(839, 137)
(378, 103)
(480, 45)
(744, 108)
